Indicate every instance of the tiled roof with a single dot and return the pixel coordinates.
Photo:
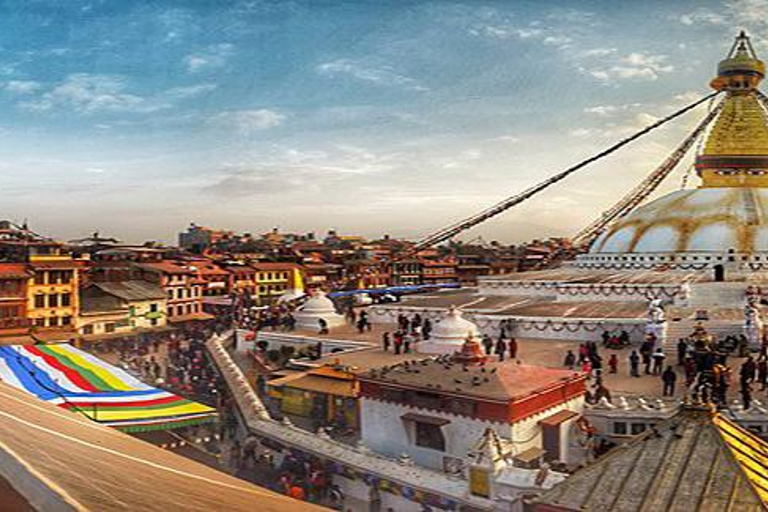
(167, 267)
(697, 460)
(495, 381)
(132, 290)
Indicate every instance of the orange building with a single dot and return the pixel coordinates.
(183, 288)
(13, 299)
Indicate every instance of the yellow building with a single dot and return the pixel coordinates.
(53, 287)
(274, 279)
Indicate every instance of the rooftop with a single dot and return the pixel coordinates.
(695, 461)
(132, 290)
(506, 381)
(91, 467)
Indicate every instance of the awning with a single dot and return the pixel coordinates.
(191, 317)
(558, 418)
(80, 382)
(423, 418)
(530, 455)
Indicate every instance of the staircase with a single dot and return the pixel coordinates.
(717, 328)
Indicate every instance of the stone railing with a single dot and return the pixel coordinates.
(359, 460)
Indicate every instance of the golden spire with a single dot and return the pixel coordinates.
(736, 150)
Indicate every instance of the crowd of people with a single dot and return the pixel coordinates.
(701, 361)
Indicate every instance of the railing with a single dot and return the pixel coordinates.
(14, 323)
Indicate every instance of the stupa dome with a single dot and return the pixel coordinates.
(316, 307)
(449, 334)
(290, 295)
(700, 220)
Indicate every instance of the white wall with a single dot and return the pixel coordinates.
(384, 432)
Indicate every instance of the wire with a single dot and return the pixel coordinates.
(458, 227)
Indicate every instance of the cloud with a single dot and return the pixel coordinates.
(381, 75)
(599, 52)
(751, 13)
(93, 93)
(22, 87)
(212, 57)
(702, 17)
(293, 170)
(189, 91)
(90, 93)
(247, 121)
(636, 65)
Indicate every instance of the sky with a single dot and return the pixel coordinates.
(135, 118)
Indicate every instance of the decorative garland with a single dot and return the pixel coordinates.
(605, 290)
(397, 489)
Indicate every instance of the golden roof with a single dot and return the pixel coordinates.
(736, 150)
(696, 461)
(740, 129)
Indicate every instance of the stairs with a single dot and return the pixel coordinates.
(717, 328)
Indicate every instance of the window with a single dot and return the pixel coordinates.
(429, 436)
(39, 322)
(39, 300)
(66, 276)
(153, 308)
(620, 428)
(66, 320)
(153, 321)
(638, 428)
(66, 299)
(40, 277)
(88, 329)
(53, 301)
(109, 327)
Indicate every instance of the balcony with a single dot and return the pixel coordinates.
(14, 323)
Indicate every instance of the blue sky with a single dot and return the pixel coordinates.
(138, 117)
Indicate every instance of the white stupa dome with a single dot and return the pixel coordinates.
(699, 220)
(316, 307)
(290, 296)
(449, 334)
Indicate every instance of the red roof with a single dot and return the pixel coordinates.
(13, 271)
(167, 267)
(273, 266)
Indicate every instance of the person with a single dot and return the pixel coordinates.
(613, 364)
(426, 329)
(682, 349)
(668, 378)
(570, 360)
(501, 348)
(658, 361)
(746, 395)
(487, 344)
(512, 345)
(361, 324)
(646, 356)
(386, 341)
(748, 371)
(398, 342)
(406, 344)
(762, 372)
(601, 392)
(323, 325)
(634, 364)
(583, 352)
